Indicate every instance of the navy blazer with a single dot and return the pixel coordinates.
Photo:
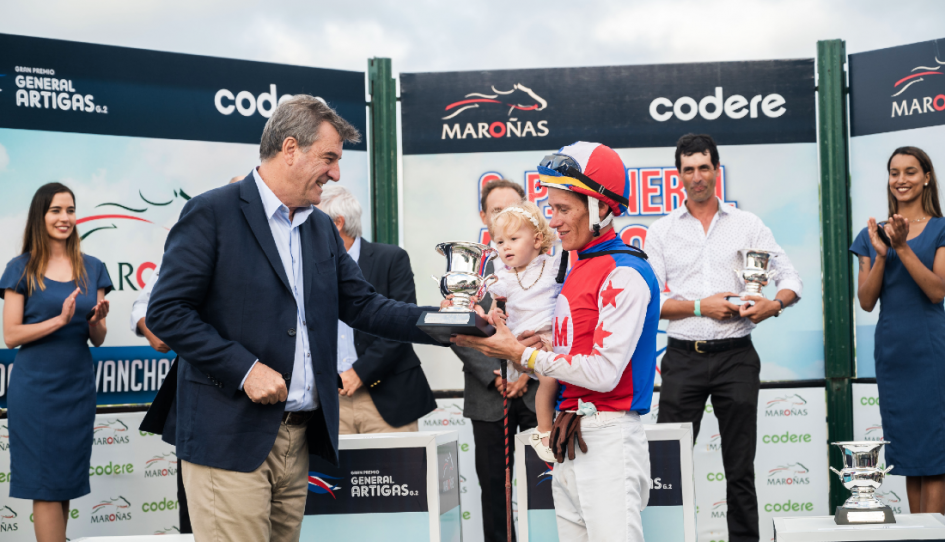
(223, 302)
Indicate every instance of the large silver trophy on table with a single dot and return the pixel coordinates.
(862, 475)
(465, 266)
(756, 272)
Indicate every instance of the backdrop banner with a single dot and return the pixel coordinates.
(133, 475)
(791, 475)
(868, 425)
(897, 98)
(462, 130)
(135, 134)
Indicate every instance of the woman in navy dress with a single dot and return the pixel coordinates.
(54, 304)
(908, 277)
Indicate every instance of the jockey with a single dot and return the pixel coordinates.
(604, 350)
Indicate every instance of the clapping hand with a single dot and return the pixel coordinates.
(898, 231)
(878, 245)
(68, 307)
(99, 313)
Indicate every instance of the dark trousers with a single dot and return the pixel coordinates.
(731, 379)
(489, 438)
(183, 511)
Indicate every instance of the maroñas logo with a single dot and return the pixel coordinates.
(499, 99)
(450, 415)
(923, 104)
(719, 508)
(110, 432)
(112, 510)
(8, 521)
(787, 475)
(321, 484)
(874, 432)
(4, 438)
(788, 405)
(170, 530)
(161, 465)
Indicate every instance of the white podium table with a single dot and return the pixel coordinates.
(823, 529)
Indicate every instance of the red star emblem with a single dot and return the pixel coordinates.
(565, 357)
(600, 334)
(609, 295)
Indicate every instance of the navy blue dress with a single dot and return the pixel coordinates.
(910, 359)
(51, 396)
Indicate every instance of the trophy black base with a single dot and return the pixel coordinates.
(442, 325)
(860, 516)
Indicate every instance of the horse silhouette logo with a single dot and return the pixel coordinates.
(918, 74)
(532, 101)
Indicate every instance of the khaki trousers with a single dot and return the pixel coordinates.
(358, 415)
(264, 505)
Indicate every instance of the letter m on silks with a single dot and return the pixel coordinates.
(561, 332)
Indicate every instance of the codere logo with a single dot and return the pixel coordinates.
(711, 107)
(246, 104)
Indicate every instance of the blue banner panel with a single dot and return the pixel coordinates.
(123, 374)
(897, 88)
(739, 103)
(65, 86)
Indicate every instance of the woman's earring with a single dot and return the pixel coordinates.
(926, 184)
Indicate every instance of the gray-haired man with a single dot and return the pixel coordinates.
(384, 388)
(253, 284)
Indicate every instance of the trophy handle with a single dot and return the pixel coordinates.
(486, 283)
(838, 472)
(887, 469)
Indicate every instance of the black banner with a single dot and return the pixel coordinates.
(665, 476)
(68, 86)
(369, 481)
(621, 106)
(897, 88)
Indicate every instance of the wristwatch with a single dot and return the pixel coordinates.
(781, 309)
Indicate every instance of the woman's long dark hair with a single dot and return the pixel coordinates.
(930, 204)
(36, 241)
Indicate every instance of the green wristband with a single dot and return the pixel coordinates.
(697, 310)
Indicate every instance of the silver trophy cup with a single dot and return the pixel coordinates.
(756, 272)
(465, 266)
(862, 475)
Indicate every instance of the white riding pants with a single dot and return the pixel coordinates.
(599, 495)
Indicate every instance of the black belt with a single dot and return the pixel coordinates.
(710, 347)
(297, 418)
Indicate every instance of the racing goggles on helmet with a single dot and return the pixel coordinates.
(568, 169)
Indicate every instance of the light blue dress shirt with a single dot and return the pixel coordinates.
(347, 354)
(302, 392)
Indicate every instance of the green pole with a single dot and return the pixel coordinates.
(383, 148)
(837, 269)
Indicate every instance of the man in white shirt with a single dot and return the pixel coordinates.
(694, 251)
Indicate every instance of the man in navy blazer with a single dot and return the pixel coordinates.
(254, 282)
